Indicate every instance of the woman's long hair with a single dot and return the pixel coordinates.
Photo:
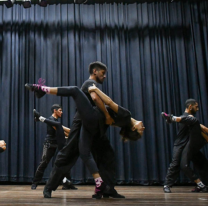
(128, 134)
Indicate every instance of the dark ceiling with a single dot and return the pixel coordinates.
(95, 1)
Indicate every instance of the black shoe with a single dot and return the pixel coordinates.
(68, 186)
(80, 1)
(199, 189)
(33, 186)
(36, 115)
(167, 117)
(30, 87)
(35, 88)
(99, 191)
(166, 189)
(47, 192)
(113, 195)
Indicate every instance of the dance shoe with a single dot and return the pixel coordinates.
(113, 195)
(35, 88)
(99, 191)
(166, 189)
(68, 185)
(199, 189)
(167, 117)
(33, 186)
(47, 192)
(80, 1)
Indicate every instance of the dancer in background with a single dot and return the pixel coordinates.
(190, 139)
(52, 141)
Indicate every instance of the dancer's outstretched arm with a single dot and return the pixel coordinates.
(66, 130)
(188, 120)
(99, 103)
(108, 101)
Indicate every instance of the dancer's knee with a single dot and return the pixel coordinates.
(85, 157)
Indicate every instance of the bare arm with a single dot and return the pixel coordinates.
(99, 103)
(204, 129)
(106, 99)
(66, 130)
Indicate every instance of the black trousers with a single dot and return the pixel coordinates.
(102, 152)
(184, 153)
(49, 150)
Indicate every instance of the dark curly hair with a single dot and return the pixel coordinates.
(97, 65)
(128, 134)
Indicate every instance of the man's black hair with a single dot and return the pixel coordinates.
(190, 102)
(56, 107)
(97, 65)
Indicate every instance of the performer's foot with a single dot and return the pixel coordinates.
(80, 1)
(113, 195)
(68, 185)
(166, 189)
(35, 88)
(36, 115)
(47, 192)
(167, 117)
(33, 186)
(199, 189)
(103, 188)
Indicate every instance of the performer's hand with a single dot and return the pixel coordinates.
(3, 144)
(109, 120)
(92, 88)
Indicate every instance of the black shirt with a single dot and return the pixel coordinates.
(183, 132)
(122, 118)
(51, 132)
(85, 87)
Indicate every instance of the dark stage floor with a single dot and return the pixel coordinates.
(135, 195)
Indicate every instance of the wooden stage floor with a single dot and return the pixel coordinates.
(135, 195)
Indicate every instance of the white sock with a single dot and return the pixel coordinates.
(45, 89)
(174, 118)
(98, 181)
(64, 180)
(200, 184)
(42, 119)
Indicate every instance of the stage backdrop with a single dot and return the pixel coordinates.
(157, 57)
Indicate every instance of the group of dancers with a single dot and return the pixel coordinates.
(87, 137)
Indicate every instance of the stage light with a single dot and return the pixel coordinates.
(80, 1)
(43, 3)
(9, 3)
(26, 4)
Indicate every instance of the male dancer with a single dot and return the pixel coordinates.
(186, 148)
(67, 157)
(51, 143)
